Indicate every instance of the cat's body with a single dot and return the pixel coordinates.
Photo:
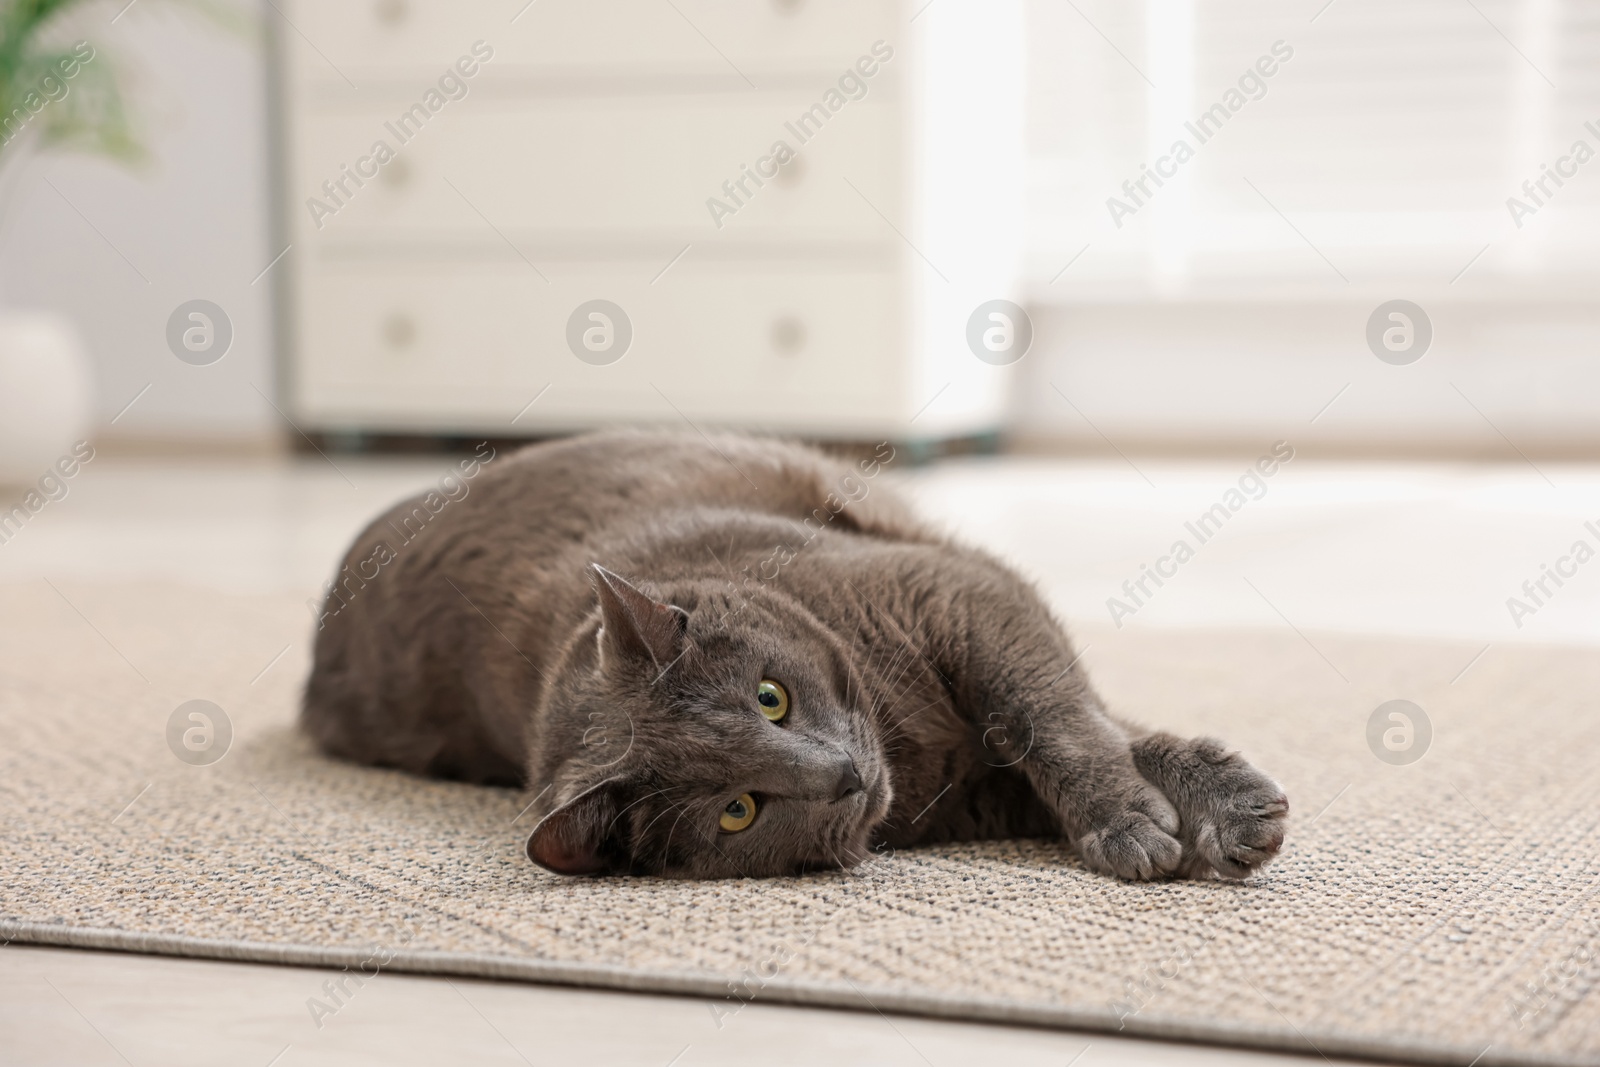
(927, 694)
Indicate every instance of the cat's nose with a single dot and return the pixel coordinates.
(849, 781)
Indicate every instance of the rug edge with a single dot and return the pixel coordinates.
(817, 994)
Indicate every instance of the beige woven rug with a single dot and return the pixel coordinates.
(1425, 912)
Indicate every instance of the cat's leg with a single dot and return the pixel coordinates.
(1135, 804)
(1013, 675)
(1081, 766)
(1231, 815)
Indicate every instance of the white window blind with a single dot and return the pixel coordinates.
(1382, 152)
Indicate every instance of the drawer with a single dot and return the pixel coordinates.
(631, 163)
(360, 39)
(466, 347)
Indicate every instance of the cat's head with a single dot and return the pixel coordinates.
(715, 736)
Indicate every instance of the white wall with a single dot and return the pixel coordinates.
(193, 222)
(1248, 373)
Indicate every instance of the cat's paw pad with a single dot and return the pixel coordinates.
(1135, 843)
(1234, 815)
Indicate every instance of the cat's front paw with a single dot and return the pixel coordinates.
(1135, 842)
(1232, 815)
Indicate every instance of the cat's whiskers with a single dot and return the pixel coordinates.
(901, 652)
(854, 677)
(838, 840)
(666, 849)
(613, 823)
(914, 653)
(899, 726)
(860, 677)
(670, 806)
(842, 844)
(909, 663)
(901, 633)
(714, 847)
(880, 698)
(833, 853)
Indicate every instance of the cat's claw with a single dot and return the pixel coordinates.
(1239, 834)
(1233, 816)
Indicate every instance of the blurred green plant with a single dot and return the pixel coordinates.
(43, 104)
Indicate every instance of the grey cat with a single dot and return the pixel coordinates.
(713, 657)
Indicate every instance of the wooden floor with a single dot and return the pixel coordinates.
(83, 1009)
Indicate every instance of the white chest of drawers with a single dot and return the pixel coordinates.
(459, 179)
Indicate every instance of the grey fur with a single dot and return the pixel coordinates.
(592, 620)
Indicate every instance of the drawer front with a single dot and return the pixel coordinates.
(337, 39)
(468, 346)
(601, 164)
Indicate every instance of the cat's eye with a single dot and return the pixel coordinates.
(738, 815)
(773, 699)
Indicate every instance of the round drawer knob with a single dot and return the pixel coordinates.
(392, 12)
(790, 173)
(788, 7)
(399, 331)
(788, 335)
(396, 174)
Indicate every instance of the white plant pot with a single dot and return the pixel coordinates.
(46, 393)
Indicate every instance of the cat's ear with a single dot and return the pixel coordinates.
(583, 835)
(636, 626)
